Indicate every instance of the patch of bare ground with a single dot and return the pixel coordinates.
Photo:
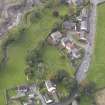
(100, 97)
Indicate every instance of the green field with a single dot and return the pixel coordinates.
(13, 73)
(55, 62)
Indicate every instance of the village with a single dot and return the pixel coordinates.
(52, 52)
(71, 40)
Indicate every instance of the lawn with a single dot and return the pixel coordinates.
(97, 69)
(13, 73)
(55, 61)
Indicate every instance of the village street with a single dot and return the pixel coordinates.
(84, 67)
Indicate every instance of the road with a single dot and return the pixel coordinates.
(100, 1)
(84, 67)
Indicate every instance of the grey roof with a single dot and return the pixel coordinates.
(74, 102)
(56, 35)
(66, 40)
(79, 2)
(69, 25)
(48, 83)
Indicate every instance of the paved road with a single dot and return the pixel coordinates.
(84, 67)
(100, 1)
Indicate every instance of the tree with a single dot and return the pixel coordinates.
(36, 67)
(29, 72)
(90, 88)
(69, 85)
(35, 16)
(72, 9)
(61, 74)
(55, 13)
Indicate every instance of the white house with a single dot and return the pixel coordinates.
(84, 26)
(50, 87)
(84, 13)
(70, 1)
(55, 37)
(82, 36)
(47, 99)
(74, 102)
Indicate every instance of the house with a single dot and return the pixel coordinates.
(50, 87)
(74, 102)
(79, 2)
(55, 37)
(67, 43)
(31, 96)
(84, 13)
(35, 2)
(68, 1)
(84, 25)
(75, 53)
(23, 89)
(82, 36)
(71, 48)
(47, 99)
(84, 19)
(69, 25)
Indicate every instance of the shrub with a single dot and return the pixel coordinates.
(55, 13)
(35, 16)
(66, 17)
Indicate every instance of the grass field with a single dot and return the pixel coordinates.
(13, 73)
(55, 62)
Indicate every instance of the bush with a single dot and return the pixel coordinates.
(55, 13)
(49, 4)
(58, 26)
(35, 63)
(66, 17)
(35, 16)
(61, 74)
(90, 89)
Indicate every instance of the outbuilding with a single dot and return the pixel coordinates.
(50, 87)
(55, 37)
(69, 25)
